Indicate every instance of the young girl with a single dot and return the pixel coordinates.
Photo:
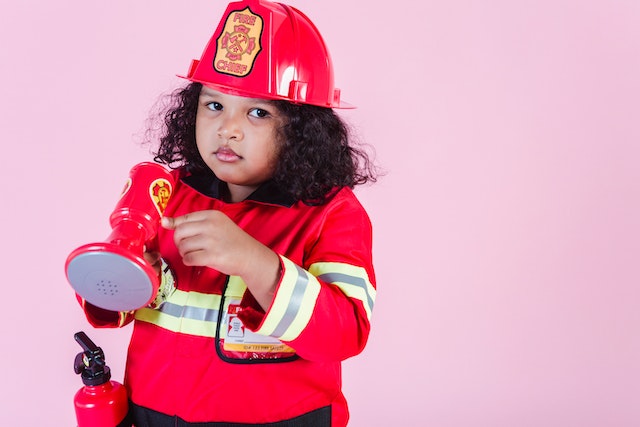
(265, 252)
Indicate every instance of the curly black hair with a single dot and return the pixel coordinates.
(316, 155)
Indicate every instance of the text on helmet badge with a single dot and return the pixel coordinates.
(239, 43)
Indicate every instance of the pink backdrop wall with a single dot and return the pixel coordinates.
(507, 228)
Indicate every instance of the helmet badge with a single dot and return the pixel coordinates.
(239, 43)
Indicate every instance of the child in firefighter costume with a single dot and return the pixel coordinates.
(264, 251)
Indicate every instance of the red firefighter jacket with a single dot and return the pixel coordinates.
(210, 353)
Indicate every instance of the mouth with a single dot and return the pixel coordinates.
(225, 154)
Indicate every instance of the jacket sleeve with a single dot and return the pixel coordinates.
(101, 318)
(323, 308)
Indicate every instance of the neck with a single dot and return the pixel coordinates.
(238, 193)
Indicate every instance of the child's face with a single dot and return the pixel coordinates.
(237, 139)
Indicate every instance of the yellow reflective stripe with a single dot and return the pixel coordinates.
(352, 280)
(158, 318)
(195, 299)
(199, 328)
(292, 305)
(192, 313)
(235, 287)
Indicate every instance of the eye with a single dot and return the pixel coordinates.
(214, 106)
(259, 112)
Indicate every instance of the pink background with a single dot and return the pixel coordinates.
(507, 228)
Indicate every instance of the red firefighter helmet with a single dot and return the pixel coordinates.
(268, 50)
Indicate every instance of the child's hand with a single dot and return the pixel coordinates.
(212, 239)
(153, 258)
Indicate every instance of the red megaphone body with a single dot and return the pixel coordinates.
(114, 274)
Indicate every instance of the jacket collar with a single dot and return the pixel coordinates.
(210, 185)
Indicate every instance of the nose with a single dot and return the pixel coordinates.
(230, 128)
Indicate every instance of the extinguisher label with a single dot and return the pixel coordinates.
(239, 43)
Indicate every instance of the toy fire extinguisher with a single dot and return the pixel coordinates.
(101, 402)
(113, 274)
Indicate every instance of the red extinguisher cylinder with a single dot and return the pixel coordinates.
(104, 405)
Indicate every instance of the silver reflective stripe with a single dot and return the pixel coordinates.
(352, 280)
(294, 303)
(195, 313)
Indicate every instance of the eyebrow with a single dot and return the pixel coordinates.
(209, 92)
(206, 91)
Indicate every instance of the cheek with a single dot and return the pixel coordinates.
(275, 155)
(201, 134)
(273, 152)
(277, 144)
(199, 145)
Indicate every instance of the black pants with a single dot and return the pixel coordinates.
(143, 417)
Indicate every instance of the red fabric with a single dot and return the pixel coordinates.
(181, 374)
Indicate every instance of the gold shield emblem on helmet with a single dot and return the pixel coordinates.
(239, 43)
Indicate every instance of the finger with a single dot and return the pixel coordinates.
(173, 223)
(191, 243)
(168, 223)
(194, 258)
(151, 257)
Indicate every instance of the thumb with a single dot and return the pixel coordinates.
(172, 223)
(168, 223)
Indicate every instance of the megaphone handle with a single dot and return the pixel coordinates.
(130, 235)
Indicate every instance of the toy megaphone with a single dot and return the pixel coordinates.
(114, 274)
